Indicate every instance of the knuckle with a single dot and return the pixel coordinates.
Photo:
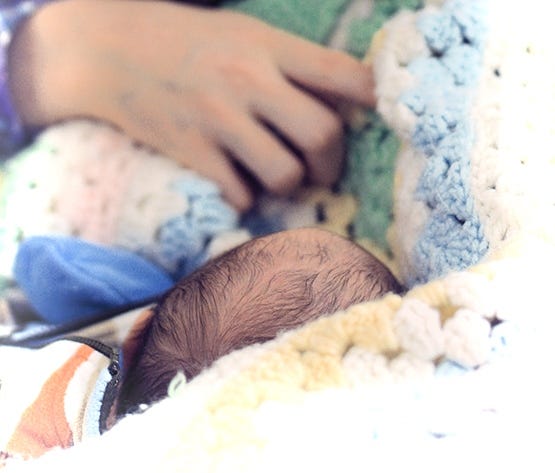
(241, 74)
(211, 108)
(238, 73)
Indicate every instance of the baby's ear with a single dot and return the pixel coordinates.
(135, 339)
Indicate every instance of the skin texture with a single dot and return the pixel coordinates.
(249, 295)
(217, 91)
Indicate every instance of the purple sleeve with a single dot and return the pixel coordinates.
(12, 132)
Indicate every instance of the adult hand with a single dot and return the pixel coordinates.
(217, 91)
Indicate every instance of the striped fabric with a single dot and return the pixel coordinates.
(50, 397)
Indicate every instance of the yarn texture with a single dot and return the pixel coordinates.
(453, 374)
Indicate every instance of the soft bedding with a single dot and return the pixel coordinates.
(451, 181)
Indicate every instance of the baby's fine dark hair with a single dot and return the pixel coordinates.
(249, 295)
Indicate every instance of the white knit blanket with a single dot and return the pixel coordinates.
(454, 375)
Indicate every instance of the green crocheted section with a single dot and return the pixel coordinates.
(312, 19)
(372, 151)
(368, 175)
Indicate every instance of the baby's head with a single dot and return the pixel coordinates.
(248, 295)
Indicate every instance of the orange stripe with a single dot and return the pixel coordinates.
(43, 425)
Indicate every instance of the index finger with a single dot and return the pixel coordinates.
(324, 71)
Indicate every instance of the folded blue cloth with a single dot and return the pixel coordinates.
(67, 278)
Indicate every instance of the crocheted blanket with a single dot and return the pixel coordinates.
(453, 373)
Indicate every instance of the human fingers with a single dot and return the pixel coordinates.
(325, 71)
(256, 148)
(187, 146)
(197, 152)
(310, 126)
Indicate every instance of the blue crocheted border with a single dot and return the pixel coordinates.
(452, 238)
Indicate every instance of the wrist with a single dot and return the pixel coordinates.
(12, 131)
(46, 73)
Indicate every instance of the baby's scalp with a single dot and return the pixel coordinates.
(249, 295)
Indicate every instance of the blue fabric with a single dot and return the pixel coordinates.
(452, 238)
(66, 279)
(181, 242)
